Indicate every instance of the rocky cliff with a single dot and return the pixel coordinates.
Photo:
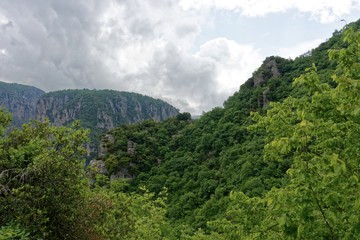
(101, 109)
(268, 69)
(98, 110)
(20, 101)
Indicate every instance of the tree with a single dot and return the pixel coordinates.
(319, 132)
(42, 179)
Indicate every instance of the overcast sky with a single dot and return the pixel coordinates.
(192, 53)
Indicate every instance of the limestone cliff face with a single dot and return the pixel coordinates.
(101, 109)
(55, 109)
(268, 70)
(20, 101)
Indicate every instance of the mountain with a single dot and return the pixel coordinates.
(20, 100)
(201, 162)
(96, 109)
(101, 109)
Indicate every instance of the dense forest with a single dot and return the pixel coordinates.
(278, 161)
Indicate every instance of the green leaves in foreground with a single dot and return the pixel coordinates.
(44, 192)
(320, 132)
(42, 179)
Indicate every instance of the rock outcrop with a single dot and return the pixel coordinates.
(20, 101)
(96, 109)
(101, 109)
(267, 70)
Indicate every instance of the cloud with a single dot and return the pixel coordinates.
(203, 80)
(300, 48)
(322, 10)
(49, 44)
(129, 45)
(89, 43)
(234, 62)
(144, 46)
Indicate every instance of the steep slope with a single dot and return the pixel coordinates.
(207, 159)
(20, 100)
(101, 109)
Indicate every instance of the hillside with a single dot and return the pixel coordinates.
(20, 100)
(201, 162)
(97, 110)
(101, 110)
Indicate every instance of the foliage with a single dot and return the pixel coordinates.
(203, 161)
(41, 179)
(15, 87)
(149, 139)
(87, 103)
(127, 216)
(20, 100)
(101, 110)
(13, 231)
(319, 132)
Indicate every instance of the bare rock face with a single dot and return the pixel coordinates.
(265, 102)
(98, 167)
(103, 147)
(48, 107)
(105, 121)
(131, 147)
(268, 70)
(96, 109)
(122, 173)
(20, 101)
(101, 109)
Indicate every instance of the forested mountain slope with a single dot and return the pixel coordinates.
(201, 162)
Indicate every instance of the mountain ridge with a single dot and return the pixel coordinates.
(26, 102)
(200, 162)
(20, 100)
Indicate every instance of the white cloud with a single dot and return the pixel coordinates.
(322, 10)
(300, 48)
(129, 45)
(234, 63)
(144, 46)
(3, 19)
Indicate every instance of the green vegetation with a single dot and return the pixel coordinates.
(44, 192)
(279, 161)
(101, 110)
(222, 153)
(319, 133)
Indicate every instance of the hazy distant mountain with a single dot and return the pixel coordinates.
(101, 109)
(96, 109)
(20, 100)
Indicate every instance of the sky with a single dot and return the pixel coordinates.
(193, 54)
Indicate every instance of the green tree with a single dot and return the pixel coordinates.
(42, 179)
(319, 132)
(116, 215)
